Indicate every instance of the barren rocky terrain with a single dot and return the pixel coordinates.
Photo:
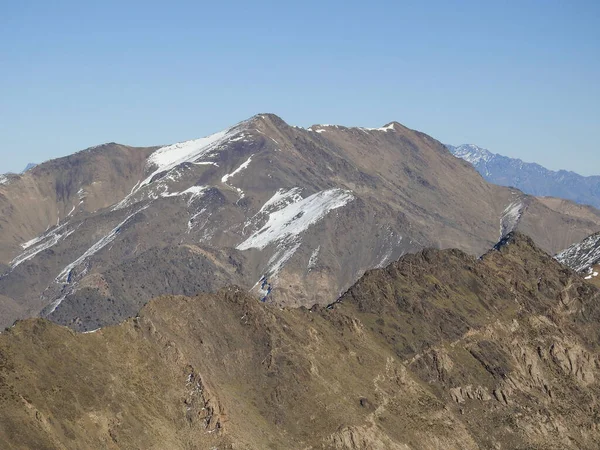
(437, 350)
(293, 215)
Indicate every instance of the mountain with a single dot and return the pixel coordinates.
(584, 257)
(7, 177)
(437, 350)
(29, 167)
(293, 215)
(529, 177)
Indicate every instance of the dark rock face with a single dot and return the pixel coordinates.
(437, 350)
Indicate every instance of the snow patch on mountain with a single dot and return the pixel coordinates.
(312, 262)
(166, 158)
(193, 192)
(389, 127)
(35, 240)
(591, 274)
(192, 222)
(281, 257)
(324, 127)
(41, 243)
(3, 179)
(285, 225)
(226, 177)
(63, 277)
(510, 217)
(282, 198)
(583, 255)
(295, 218)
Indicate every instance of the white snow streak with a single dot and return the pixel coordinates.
(55, 304)
(312, 262)
(243, 166)
(194, 216)
(282, 198)
(194, 191)
(296, 218)
(236, 171)
(510, 217)
(64, 275)
(385, 129)
(281, 257)
(39, 244)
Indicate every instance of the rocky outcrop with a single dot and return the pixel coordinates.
(436, 351)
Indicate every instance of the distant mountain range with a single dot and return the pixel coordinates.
(530, 178)
(28, 167)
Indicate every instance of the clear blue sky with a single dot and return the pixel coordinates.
(520, 78)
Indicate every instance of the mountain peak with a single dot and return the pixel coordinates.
(268, 119)
(471, 153)
(29, 167)
(515, 238)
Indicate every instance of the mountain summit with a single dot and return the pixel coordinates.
(293, 215)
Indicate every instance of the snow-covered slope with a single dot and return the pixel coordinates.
(293, 219)
(471, 153)
(582, 256)
(285, 226)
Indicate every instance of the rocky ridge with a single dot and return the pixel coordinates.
(436, 350)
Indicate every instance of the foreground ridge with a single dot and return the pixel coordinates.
(436, 350)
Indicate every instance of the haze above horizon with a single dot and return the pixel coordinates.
(520, 79)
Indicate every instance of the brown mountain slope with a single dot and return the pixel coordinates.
(438, 350)
(298, 215)
(34, 201)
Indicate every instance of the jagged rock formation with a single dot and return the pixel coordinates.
(530, 178)
(310, 210)
(436, 351)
